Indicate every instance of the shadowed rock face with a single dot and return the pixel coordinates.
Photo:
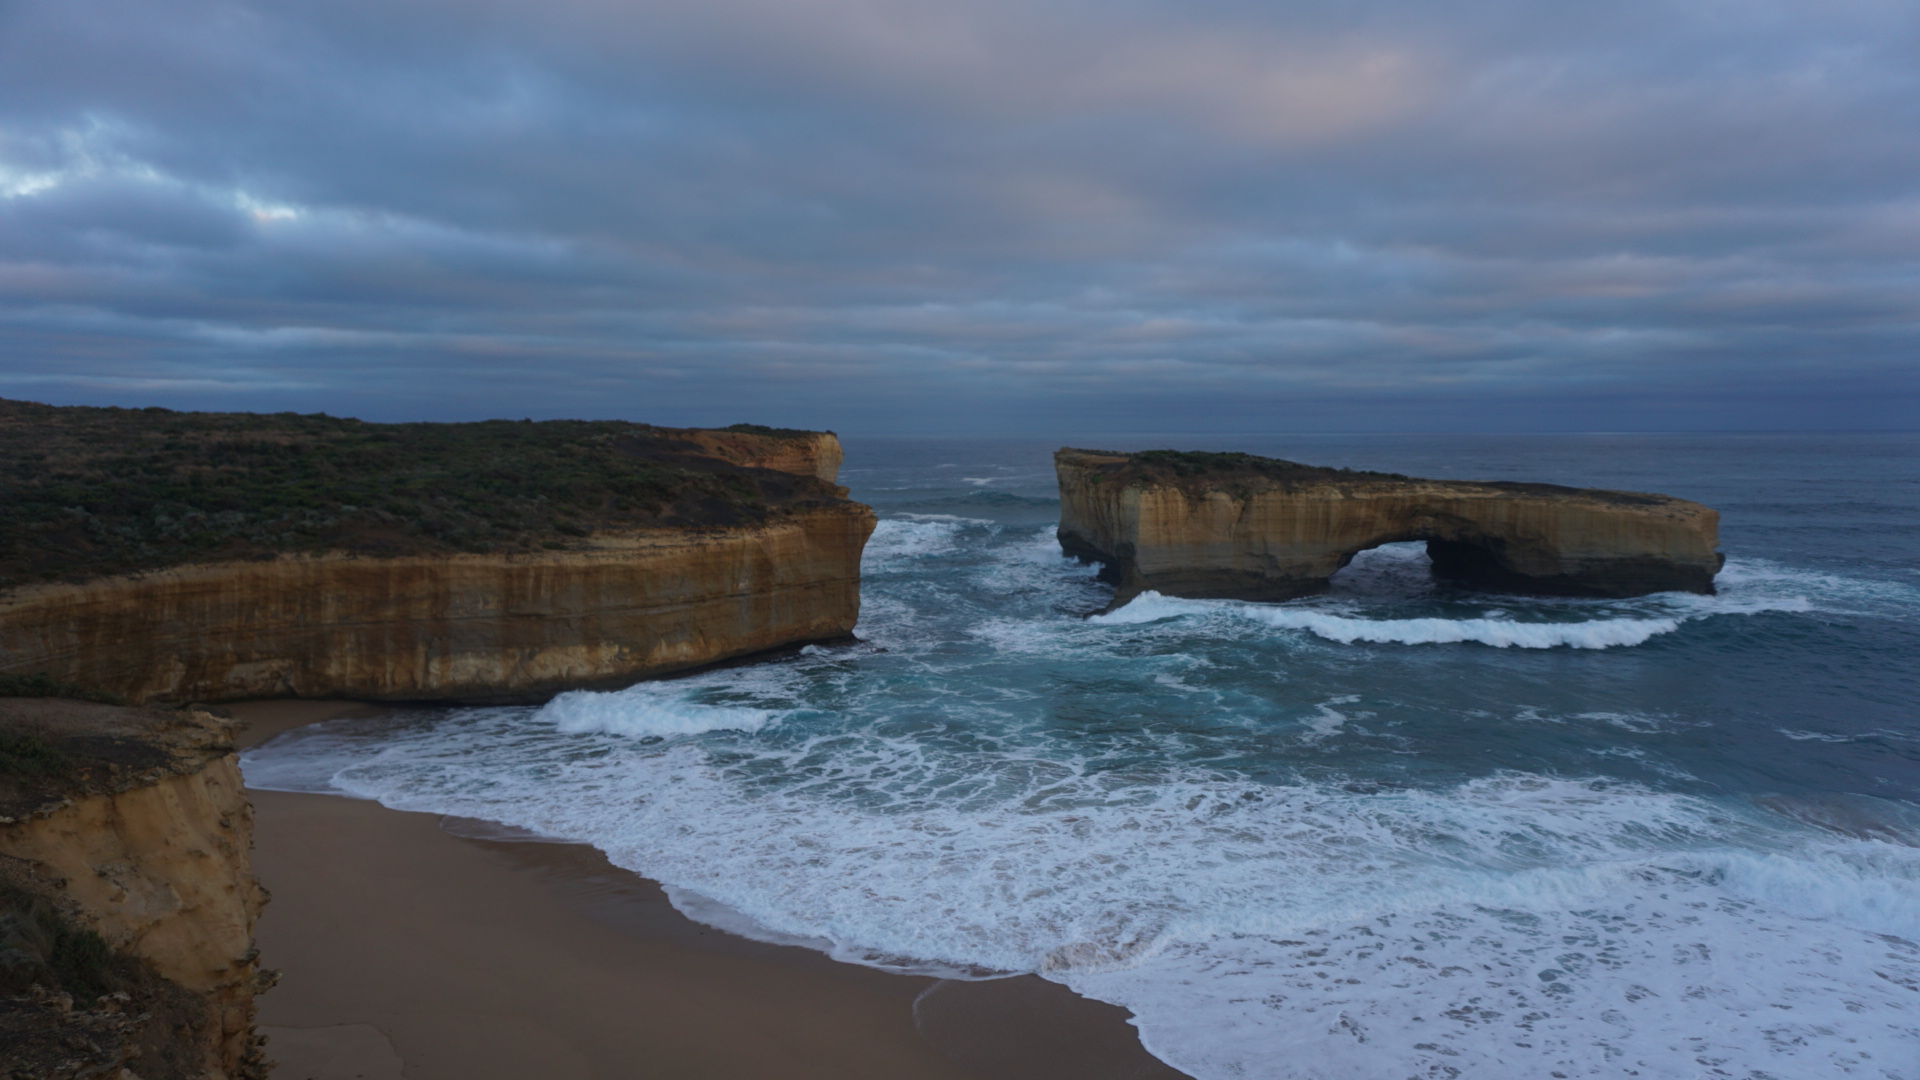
(1242, 527)
(133, 826)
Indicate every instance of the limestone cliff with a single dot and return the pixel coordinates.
(88, 493)
(1234, 525)
(217, 556)
(615, 608)
(803, 453)
(128, 828)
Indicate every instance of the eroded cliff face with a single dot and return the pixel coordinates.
(517, 626)
(813, 453)
(1248, 528)
(140, 832)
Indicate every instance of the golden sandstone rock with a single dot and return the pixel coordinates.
(142, 836)
(1243, 527)
(575, 554)
(814, 453)
(448, 627)
(749, 559)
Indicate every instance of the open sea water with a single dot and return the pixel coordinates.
(1398, 830)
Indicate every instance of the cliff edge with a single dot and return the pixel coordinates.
(1245, 527)
(218, 556)
(127, 898)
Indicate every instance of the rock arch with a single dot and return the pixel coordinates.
(1238, 526)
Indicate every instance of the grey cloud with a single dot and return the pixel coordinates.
(901, 213)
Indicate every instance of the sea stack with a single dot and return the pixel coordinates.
(1238, 526)
(165, 556)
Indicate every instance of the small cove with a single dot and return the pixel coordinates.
(1394, 829)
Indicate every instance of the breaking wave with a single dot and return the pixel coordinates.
(647, 711)
(1290, 859)
(1497, 632)
(1519, 622)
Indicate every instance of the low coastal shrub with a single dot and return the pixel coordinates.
(1232, 463)
(30, 756)
(88, 491)
(43, 685)
(71, 1005)
(1235, 471)
(38, 946)
(1200, 462)
(773, 432)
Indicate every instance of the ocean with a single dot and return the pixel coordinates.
(1398, 830)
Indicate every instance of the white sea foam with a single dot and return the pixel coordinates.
(1503, 928)
(1659, 975)
(896, 539)
(1605, 626)
(1500, 633)
(1328, 720)
(954, 519)
(1876, 735)
(1761, 579)
(647, 710)
(1034, 564)
(1396, 573)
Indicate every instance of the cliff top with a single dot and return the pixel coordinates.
(54, 748)
(1201, 470)
(87, 492)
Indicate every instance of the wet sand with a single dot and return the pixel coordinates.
(407, 950)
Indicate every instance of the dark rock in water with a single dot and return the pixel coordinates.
(1250, 528)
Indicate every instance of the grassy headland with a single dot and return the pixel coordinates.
(86, 492)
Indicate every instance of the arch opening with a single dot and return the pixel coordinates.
(1460, 563)
(1386, 569)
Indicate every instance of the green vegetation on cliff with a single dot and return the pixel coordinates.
(86, 491)
(72, 1006)
(1233, 470)
(1221, 467)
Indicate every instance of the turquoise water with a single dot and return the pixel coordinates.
(1397, 830)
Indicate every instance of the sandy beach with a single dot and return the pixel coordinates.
(409, 951)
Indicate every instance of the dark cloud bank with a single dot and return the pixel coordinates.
(996, 216)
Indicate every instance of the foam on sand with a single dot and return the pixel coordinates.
(1289, 860)
(1508, 927)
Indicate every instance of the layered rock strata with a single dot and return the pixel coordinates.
(1244, 527)
(518, 626)
(273, 556)
(803, 453)
(128, 828)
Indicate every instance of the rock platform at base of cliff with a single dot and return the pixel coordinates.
(1243, 527)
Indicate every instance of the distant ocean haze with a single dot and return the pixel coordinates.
(1398, 829)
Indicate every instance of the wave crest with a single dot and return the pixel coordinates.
(1499, 633)
(646, 713)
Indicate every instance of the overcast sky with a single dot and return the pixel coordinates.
(1021, 216)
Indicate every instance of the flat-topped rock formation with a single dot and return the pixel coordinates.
(206, 557)
(1252, 528)
(127, 894)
